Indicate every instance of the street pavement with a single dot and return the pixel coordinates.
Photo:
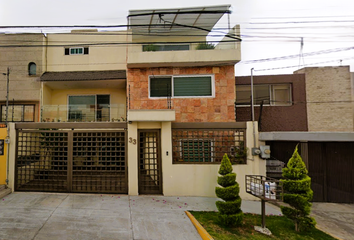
(51, 216)
(44, 216)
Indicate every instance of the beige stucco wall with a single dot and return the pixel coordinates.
(107, 56)
(227, 53)
(188, 179)
(58, 99)
(22, 87)
(329, 96)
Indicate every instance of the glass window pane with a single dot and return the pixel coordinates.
(32, 69)
(243, 95)
(196, 151)
(261, 93)
(192, 86)
(16, 113)
(160, 87)
(103, 108)
(82, 108)
(28, 115)
(170, 47)
(281, 95)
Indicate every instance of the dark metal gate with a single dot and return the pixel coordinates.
(71, 161)
(330, 166)
(150, 177)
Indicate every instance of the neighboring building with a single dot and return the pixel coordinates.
(326, 146)
(156, 98)
(26, 65)
(279, 102)
(330, 98)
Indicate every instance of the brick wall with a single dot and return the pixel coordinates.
(216, 109)
(329, 98)
(278, 118)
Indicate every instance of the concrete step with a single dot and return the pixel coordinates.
(2, 187)
(5, 192)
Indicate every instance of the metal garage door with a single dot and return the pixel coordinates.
(71, 161)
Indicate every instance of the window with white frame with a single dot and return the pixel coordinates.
(269, 94)
(181, 86)
(196, 150)
(76, 51)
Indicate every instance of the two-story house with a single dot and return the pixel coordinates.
(147, 110)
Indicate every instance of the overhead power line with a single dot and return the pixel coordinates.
(297, 55)
(309, 64)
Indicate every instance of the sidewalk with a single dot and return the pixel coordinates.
(85, 216)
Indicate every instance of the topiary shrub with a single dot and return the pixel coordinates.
(297, 193)
(230, 213)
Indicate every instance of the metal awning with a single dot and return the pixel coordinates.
(172, 21)
(83, 75)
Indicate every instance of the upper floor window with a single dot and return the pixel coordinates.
(32, 68)
(76, 51)
(181, 86)
(269, 94)
(18, 113)
(163, 47)
(87, 108)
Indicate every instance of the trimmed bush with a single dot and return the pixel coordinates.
(229, 207)
(298, 193)
(230, 213)
(229, 193)
(227, 180)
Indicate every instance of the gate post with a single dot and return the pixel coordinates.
(11, 148)
(70, 162)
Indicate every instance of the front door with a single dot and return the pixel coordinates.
(150, 176)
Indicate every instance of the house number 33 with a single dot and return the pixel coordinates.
(131, 140)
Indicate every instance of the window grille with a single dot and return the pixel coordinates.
(208, 145)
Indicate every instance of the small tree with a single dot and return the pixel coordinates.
(297, 193)
(230, 213)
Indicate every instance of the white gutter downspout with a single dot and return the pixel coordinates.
(252, 107)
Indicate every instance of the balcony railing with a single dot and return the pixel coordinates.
(83, 113)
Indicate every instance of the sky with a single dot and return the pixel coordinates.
(271, 30)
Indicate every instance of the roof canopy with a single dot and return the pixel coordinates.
(176, 20)
(84, 75)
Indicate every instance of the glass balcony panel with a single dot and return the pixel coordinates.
(84, 113)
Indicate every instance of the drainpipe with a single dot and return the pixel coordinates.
(252, 106)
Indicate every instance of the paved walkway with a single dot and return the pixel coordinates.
(84, 216)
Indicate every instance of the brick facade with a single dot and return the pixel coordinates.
(278, 118)
(202, 109)
(329, 94)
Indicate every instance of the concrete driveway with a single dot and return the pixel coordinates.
(336, 219)
(85, 216)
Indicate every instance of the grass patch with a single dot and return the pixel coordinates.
(281, 228)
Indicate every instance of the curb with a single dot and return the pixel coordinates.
(202, 232)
